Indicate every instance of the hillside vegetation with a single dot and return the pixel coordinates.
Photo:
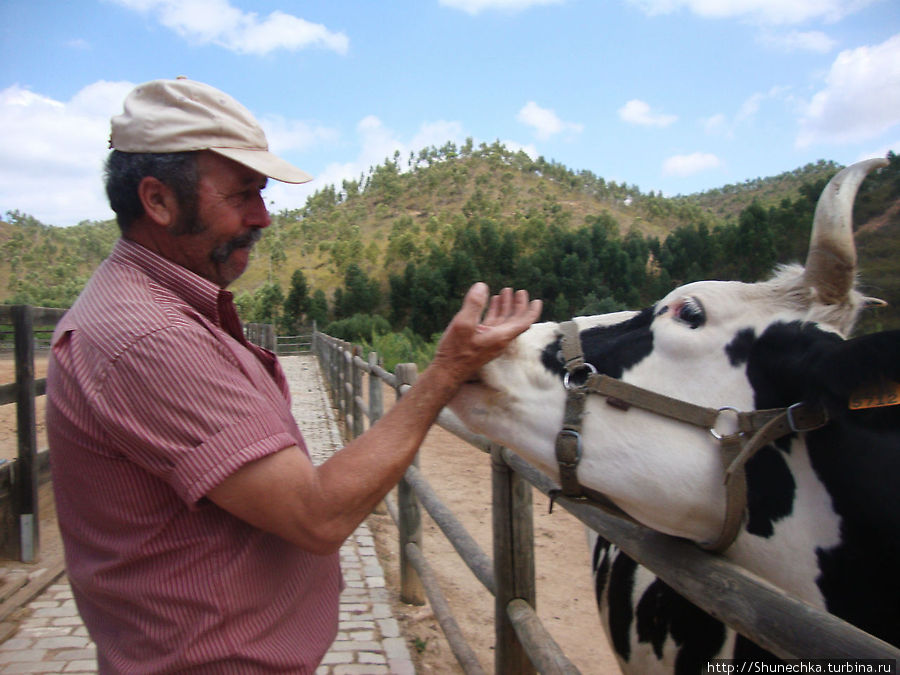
(406, 239)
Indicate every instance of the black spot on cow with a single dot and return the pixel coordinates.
(738, 350)
(781, 361)
(621, 587)
(610, 349)
(600, 566)
(856, 456)
(770, 491)
(662, 613)
(748, 655)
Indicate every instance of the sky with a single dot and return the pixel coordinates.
(673, 96)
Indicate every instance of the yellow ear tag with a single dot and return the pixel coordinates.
(879, 395)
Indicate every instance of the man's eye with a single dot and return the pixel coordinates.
(691, 312)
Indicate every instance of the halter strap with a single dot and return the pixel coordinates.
(752, 430)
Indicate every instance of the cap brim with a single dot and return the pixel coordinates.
(265, 163)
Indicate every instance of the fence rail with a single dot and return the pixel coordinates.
(786, 626)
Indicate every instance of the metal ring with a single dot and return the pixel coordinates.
(712, 429)
(588, 366)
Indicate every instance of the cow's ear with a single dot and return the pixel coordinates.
(861, 362)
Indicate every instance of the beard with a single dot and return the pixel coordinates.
(189, 223)
(222, 252)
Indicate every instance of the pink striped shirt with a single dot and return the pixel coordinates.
(154, 397)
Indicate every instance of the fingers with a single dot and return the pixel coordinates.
(508, 306)
(474, 303)
(511, 312)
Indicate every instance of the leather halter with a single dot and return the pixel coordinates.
(752, 430)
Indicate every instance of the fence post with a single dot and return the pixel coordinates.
(25, 490)
(346, 380)
(356, 393)
(409, 515)
(335, 351)
(513, 560)
(376, 407)
(376, 396)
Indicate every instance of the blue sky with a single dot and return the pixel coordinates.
(676, 96)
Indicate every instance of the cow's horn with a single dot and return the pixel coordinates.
(831, 262)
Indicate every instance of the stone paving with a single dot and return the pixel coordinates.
(52, 639)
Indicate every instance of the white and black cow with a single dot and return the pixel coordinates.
(822, 517)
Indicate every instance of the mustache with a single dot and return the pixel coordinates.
(222, 252)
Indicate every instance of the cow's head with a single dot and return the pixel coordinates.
(700, 344)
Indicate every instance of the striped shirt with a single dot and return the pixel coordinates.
(154, 397)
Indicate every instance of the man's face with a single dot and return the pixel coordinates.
(214, 239)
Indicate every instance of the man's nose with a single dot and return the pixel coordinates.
(258, 215)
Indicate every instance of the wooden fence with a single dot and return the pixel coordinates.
(782, 624)
(263, 334)
(20, 479)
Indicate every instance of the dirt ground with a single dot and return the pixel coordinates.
(461, 475)
(8, 445)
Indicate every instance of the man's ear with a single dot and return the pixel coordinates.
(159, 201)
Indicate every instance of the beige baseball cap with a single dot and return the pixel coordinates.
(182, 115)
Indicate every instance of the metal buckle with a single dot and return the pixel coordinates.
(790, 417)
(716, 434)
(812, 424)
(592, 371)
(577, 436)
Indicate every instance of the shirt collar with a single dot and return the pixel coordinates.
(200, 293)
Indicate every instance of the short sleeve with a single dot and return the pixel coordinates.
(187, 406)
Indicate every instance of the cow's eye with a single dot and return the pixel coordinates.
(691, 311)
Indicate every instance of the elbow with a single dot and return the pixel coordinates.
(322, 538)
(322, 545)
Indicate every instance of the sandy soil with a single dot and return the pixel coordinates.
(8, 445)
(461, 475)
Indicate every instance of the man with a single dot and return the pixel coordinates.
(199, 537)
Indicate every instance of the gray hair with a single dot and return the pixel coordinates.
(126, 170)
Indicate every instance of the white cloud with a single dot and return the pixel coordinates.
(798, 41)
(218, 22)
(688, 165)
(880, 151)
(376, 143)
(285, 135)
(53, 152)
(770, 12)
(861, 98)
(717, 125)
(638, 112)
(51, 166)
(545, 122)
(79, 43)
(515, 146)
(477, 6)
(722, 126)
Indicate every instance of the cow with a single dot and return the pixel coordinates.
(737, 415)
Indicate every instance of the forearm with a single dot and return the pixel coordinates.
(356, 478)
(319, 507)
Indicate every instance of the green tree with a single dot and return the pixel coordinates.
(318, 308)
(361, 295)
(268, 300)
(755, 244)
(297, 303)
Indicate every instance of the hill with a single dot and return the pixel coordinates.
(728, 201)
(469, 202)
